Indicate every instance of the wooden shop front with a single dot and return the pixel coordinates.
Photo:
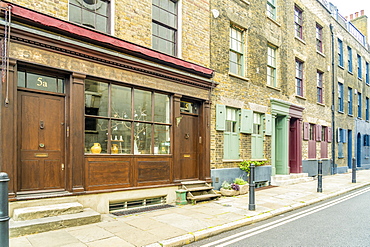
(84, 112)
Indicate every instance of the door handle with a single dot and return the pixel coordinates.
(42, 125)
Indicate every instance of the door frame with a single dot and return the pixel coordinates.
(19, 141)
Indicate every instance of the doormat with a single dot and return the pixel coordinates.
(141, 210)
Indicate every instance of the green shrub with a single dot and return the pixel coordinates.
(240, 181)
(245, 164)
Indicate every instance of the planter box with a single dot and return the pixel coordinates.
(263, 173)
(243, 189)
(229, 192)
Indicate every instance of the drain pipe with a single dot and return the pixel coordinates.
(333, 101)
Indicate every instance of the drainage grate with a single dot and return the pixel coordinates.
(141, 209)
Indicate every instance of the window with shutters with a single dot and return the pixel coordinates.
(312, 141)
(257, 136)
(231, 134)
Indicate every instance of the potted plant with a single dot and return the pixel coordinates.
(243, 185)
(228, 189)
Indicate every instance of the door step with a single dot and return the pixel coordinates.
(293, 178)
(30, 220)
(199, 191)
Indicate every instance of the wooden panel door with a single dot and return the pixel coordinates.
(41, 142)
(189, 147)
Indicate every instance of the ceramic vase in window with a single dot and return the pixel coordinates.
(96, 148)
(114, 149)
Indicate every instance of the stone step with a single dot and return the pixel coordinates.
(20, 228)
(290, 181)
(37, 212)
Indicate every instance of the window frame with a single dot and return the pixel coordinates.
(271, 68)
(319, 38)
(340, 53)
(298, 22)
(367, 116)
(350, 61)
(271, 9)
(359, 105)
(350, 101)
(367, 73)
(93, 12)
(340, 97)
(299, 77)
(359, 66)
(239, 54)
(156, 22)
(320, 87)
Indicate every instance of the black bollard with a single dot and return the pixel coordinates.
(251, 206)
(354, 167)
(319, 176)
(4, 210)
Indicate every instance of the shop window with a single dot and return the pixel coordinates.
(236, 59)
(90, 13)
(124, 120)
(164, 26)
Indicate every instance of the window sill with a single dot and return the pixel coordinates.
(274, 21)
(320, 53)
(246, 2)
(350, 115)
(341, 112)
(359, 78)
(274, 88)
(350, 72)
(231, 161)
(238, 76)
(300, 97)
(299, 39)
(340, 66)
(320, 104)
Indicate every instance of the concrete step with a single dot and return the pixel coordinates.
(37, 212)
(20, 228)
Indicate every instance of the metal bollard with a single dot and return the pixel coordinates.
(319, 176)
(251, 205)
(354, 168)
(4, 210)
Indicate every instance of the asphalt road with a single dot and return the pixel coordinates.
(341, 221)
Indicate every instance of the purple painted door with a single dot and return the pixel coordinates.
(295, 146)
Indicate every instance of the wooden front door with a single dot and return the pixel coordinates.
(41, 141)
(189, 146)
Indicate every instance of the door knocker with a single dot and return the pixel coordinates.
(187, 136)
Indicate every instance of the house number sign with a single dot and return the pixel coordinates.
(41, 83)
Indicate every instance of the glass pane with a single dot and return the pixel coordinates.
(161, 108)
(142, 105)
(21, 79)
(121, 137)
(88, 18)
(96, 97)
(75, 14)
(102, 8)
(96, 131)
(101, 23)
(121, 102)
(143, 138)
(162, 142)
(41, 82)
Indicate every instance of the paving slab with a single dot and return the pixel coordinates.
(110, 242)
(90, 233)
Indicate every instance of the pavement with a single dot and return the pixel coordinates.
(183, 224)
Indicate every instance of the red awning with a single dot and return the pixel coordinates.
(103, 38)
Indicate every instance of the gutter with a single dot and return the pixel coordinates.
(333, 102)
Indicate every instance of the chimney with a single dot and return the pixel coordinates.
(362, 12)
(356, 14)
(351, 16)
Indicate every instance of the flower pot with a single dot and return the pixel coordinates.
(226, 192)
(243, 189)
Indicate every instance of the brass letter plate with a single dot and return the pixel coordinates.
(186, 155)
(42, 155)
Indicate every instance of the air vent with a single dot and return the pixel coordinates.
(135, 206)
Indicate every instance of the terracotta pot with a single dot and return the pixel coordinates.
(96, 148)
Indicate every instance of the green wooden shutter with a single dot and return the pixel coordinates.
(231, 145)
(246, 121)
(257, 147)
(268, 124)
(221, 117)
